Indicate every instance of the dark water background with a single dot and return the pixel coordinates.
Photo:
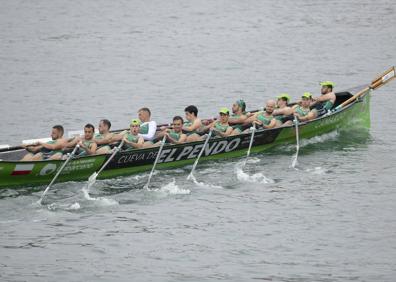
(73, 62)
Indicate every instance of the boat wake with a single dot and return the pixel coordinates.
(255, 178)
(320, 139)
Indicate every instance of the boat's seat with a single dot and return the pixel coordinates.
(341, 97)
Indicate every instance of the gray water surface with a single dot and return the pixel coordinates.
(73, 62)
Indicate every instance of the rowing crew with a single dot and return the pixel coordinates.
(143, 132)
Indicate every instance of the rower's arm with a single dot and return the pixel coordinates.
(271, 125)
(92, 149)
(59, 144)
(72, 143)
(151, 131)
(208, 127)
(311, 115)
(238, 120)
(32, 148)
(117, 137)
(250, 120)
(181, 140)
(139, 143)
(326, 97)
(106, 140)
(228, 132)
(194, 126)
(285, 111)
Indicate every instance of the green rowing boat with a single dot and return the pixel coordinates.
(352, 108)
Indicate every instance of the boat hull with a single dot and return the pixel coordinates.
(16, 173)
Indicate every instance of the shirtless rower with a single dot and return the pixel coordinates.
(264, 118)
(51, 150)
(87, 143)
(132, 138)
(326, 101)
(193, 126)
(237, 117)
(283, 112)
(103, 138)
(175, 134)
(147, 127)
(302, 111)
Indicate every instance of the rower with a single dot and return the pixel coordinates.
(302, 111)
(103, 138)
(147, 127)
(175, 134)
(132, 138)
(326, 101)
(237, 117)
(193, 126)
(51, 150)
(220, 127)
(87, 143)
(264, 118)
(283, 114)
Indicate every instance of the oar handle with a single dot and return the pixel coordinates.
(375, 84)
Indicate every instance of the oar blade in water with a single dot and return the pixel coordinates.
(92, 178)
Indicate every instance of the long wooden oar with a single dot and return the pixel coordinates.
(155, 162)
(92, 178)
(376, 83)
(250, 143)
(191, 175)
(294, 162)
(57, 174)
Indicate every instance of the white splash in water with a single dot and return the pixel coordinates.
(252, 160)
(74, 207)
(202, 184)
(294, 161)
(317, 170)
(173, 189)
(255, 178)
(101, 200)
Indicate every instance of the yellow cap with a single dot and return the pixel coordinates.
(327, 83)
(135, 122)
(224, 111)
(284, 95)
(307, 95)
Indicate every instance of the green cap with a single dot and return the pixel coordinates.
(284, 96)
(327, 83)
(307, 95)
(241, 104)
(135, 122)
(224, 111)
